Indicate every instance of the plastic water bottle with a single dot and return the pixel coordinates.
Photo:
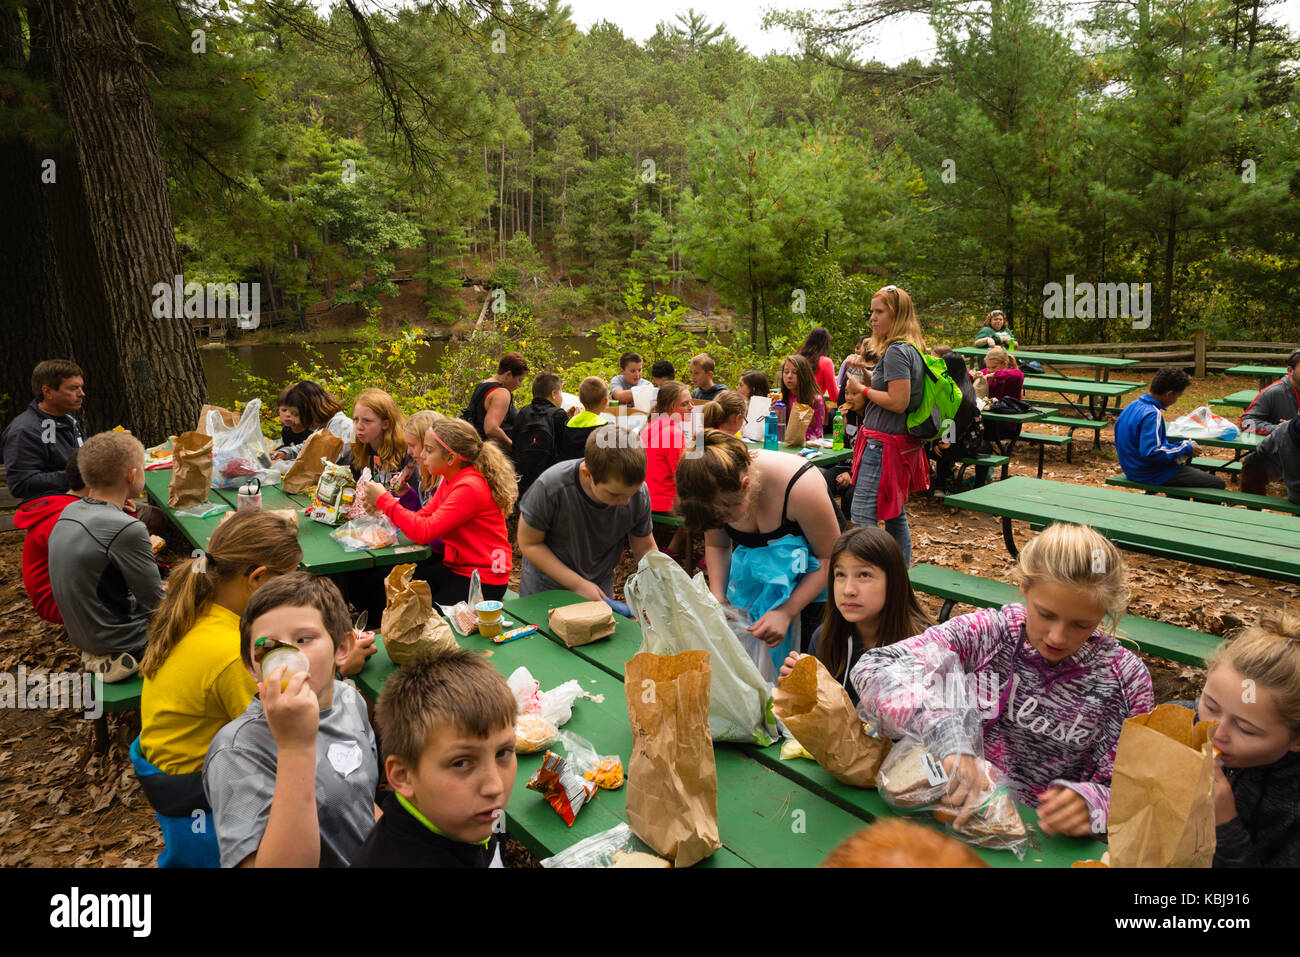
(837, 438)
(769, 432)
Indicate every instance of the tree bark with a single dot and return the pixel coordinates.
(145, 371)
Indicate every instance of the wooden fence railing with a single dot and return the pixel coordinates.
(1198, 354)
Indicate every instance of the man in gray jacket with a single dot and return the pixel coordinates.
(102, 568)
(38, 442)
(1279, 403)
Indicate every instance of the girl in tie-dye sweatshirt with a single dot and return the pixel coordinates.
(1044, 687)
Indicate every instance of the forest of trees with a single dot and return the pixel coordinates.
(260, 141)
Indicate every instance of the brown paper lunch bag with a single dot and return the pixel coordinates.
(821, 716)
(1162, 791)
(797, 422)
(672, 780)
(307, 467)
(191, 470)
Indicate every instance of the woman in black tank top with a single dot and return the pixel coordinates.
(720, 482)
(510, 376)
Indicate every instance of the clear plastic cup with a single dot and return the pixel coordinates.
(293, 660)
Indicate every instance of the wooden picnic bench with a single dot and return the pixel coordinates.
(1212, 495)
(1152, 637)
(1252, 543)
(743, 794)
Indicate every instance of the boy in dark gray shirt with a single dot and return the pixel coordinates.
(576, 516)
(102, 569)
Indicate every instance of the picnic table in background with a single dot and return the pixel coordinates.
(757, 791)
(1103, 364)
(1240, 399)
(1267, 375)
(1235, 539)
(1098, 394)
(321, 554)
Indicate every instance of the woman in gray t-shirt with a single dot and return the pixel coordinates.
(883, 445)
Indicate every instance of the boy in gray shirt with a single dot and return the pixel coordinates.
(102, 569)
(575, 517)
(292, 780)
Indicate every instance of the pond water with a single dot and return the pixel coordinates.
(272, 362)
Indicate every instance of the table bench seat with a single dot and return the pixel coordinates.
(1002, 462)
(1216, 465)
(1043, 440)
(1152, 637)
(1214, 495)
(1238, 399)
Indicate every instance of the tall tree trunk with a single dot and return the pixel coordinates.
(1171, 241)
(33, 312)
(149, 368)
(532, 176)
(501, 204)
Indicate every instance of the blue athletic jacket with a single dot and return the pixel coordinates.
(1144, 452)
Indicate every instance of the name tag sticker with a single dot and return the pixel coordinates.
(344, 757)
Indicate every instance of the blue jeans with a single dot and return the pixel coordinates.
(864, 500)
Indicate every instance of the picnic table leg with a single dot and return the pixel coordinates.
(101, 734)
(946, 611)
(1041, 449)
(1009, 538)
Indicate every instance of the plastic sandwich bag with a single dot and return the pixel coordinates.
(679, 614)
(606, 849)
(554, 706)
(1201, 423)
(914, 779)
(366, 533)
(239, 452)
(604, 770)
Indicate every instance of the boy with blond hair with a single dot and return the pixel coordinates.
(448, 726)
(702, 367)
(594, 396)
(102, 569)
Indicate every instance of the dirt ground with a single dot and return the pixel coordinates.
(63, 804)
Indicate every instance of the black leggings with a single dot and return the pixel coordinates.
(365, 589)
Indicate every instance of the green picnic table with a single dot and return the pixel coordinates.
(321, 554)
(1099, 393)
(757, 807)
(822, 458)
(1244, 442)
(1103, 364)
(1238, 399)
(1250, 542)
(747, 800)
(1266, 374)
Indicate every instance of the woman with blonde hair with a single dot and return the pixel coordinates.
(888, 464)
(413, 485)
(476, 491)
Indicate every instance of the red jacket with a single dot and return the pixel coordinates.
(463, 514)
(664, 443)
(904, 469)
(37, 517)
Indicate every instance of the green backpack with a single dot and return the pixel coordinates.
(939, 402)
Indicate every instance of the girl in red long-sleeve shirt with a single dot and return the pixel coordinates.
(467, 512)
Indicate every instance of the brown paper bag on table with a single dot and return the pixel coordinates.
(672, 781)
(821, 716)
(191, 470)
(1162, 791)
(230, 418)
(583, 623)
(409, 608)
(307, 467)
(797, 421)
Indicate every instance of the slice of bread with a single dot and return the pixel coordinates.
(637, 859)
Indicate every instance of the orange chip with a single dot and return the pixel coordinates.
(607, 773)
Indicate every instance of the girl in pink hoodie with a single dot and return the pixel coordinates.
(1046, 689)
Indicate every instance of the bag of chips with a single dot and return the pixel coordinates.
(562, 788)
(335, 493)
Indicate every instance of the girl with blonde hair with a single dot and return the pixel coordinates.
(378, 443)
(1253, 691)
(1052, 688)
(476, 491)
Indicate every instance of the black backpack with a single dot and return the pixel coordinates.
(1009, 406)
(536, 444)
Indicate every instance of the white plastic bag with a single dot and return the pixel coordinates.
(1201, 423)
(679, 614)
(555, 706)
(756, 418)
(239, 452)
